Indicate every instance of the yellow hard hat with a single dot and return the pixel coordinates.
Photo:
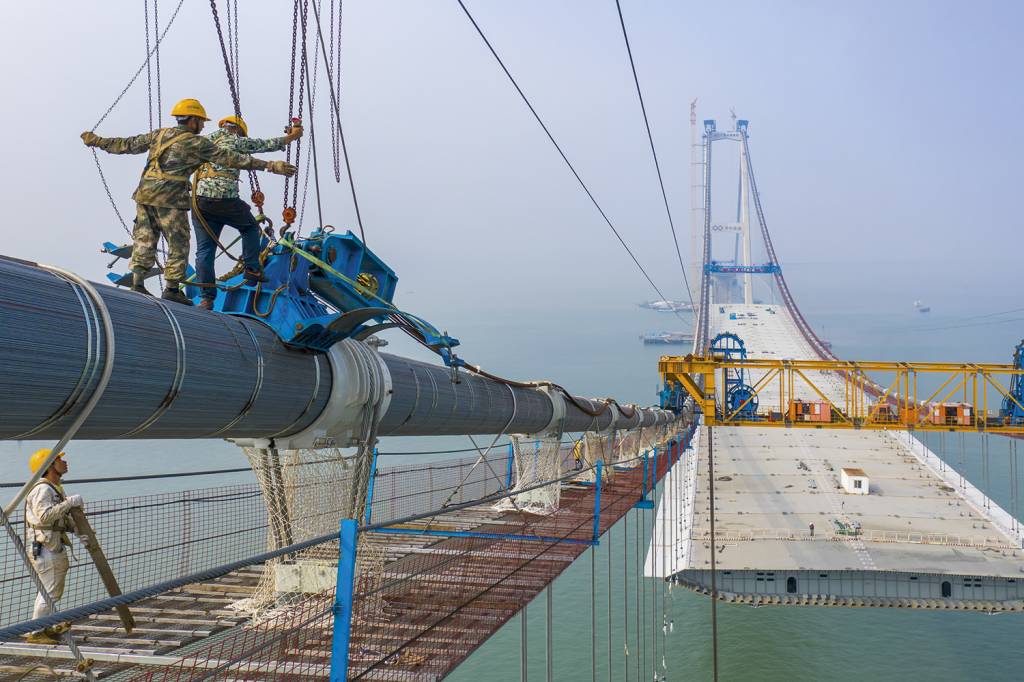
(38, 457)
(237, 120)
(190, 107)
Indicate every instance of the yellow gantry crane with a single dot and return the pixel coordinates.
(732, 391)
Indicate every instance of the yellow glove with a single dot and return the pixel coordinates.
(90, 138)
(280, 168)
(294, 133)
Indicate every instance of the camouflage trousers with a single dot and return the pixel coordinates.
(150, 223)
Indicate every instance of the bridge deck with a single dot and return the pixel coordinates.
(920, 525)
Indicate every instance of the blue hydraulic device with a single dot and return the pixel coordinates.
(1012, 411)
(740, 397)
(317, 290)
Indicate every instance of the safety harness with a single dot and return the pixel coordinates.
(153, 169)
(62, 524)
(208, 171)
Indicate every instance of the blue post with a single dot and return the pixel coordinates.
(654, 477)
(597, 501)
(369, 488)
(508, 468)
(643, 489)
(342, 609)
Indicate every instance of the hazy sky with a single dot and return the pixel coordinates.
(884, 134)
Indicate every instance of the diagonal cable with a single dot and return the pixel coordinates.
(654, 154)
(561, 153)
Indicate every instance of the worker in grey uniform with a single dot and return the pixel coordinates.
(48, 520)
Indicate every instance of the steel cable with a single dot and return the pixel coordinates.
(561, 153)
(654, 154)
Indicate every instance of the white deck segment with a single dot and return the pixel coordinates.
(918, 528)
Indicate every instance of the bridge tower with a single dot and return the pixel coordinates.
(723, 280)
(696, 203)
(744, 214)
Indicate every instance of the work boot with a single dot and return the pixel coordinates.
(252, 277)
(139, 283)
(206, 304)
(41, 637)
(173, 293)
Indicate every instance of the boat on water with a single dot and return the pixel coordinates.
(667, 306)
(921, 307)
(666, 338)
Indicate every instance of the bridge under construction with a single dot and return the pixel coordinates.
(769, 471)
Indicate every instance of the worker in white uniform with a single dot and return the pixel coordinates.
(48, 520)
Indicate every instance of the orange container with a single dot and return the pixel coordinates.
(951, 414)
(809, 411)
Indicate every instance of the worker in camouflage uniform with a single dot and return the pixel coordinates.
(219, 204)
(162, 197)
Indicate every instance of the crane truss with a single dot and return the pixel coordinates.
(781, 388)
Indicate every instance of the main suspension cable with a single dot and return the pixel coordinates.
(654, 154)
(561, 153)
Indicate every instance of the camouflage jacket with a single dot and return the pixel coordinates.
(222, 182)
(174, 154)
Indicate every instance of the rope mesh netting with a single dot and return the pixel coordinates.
(422, 604)
(306, 492)
(427, 591)
(536, 460)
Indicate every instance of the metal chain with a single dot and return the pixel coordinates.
(231, 55)
(149, 75)
(302, 92)
(138, 72)
(291, 90)
(117, 100)
(309, 157)
(159, 99)
(238, 78)
(254, 183)
(335, 58)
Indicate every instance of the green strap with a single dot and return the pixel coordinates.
(284, 241)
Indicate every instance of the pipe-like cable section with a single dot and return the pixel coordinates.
(183, 372)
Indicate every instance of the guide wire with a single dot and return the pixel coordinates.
(654, 154)
(565, 158)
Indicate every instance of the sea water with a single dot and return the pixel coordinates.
(592, 347)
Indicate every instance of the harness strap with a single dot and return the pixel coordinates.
(153, 169)
(60, 525)
(207, 171)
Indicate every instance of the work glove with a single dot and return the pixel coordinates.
(90, 138)
(86, 541)
(280, 168)
(75, 501)
(294, 133)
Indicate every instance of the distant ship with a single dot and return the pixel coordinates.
(666, 338)
(667, 306)
(921, 307)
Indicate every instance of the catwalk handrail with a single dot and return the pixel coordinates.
(109, 603)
